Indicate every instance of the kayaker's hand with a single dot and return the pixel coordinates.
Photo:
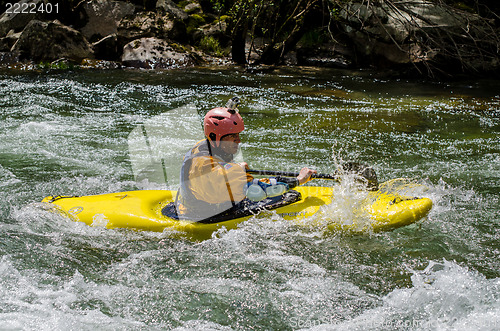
(244, 165)
(305, 175)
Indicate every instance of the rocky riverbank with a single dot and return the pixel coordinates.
(420, 37)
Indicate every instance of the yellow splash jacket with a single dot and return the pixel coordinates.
(210, 182)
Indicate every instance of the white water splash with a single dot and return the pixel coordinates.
(31, 300)
(444, 296)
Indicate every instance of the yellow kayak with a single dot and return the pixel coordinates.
(145, 210)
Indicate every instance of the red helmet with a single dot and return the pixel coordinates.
(222, 121)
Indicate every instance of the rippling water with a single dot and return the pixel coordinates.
(67, 133)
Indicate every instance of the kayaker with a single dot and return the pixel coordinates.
(211, 181)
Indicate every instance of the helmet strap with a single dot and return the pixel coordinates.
(212, 137)
(218, 152)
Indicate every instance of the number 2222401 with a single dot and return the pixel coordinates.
(31, 8)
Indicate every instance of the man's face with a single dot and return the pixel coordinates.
(230, 143)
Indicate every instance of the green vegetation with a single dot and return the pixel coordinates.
(212, 46)
(57, 65)
(194, 22)
(314, 38)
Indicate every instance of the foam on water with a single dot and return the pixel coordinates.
(263, 270)
(7, 178)
(67, 134)
(242, 273)
(443, 296)
(33, 300)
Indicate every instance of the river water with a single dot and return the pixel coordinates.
(68, 133)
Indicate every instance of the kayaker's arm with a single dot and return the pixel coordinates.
(362, 170)
(303, 177)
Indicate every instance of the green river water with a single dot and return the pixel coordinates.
(67, 133)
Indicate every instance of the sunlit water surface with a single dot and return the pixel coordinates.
(67, 133)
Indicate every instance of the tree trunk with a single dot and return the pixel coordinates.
(274, 53)
(238, 43)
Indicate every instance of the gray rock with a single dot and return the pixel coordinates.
(218, 30)
(413, 31)
(104, 17)
(143, 24)
(154, 53)
(8, 41)
(16, 21)
(169, 6)
(193, 8)
(8, 58)
(49, 41)
(150, 24)
(4, 45)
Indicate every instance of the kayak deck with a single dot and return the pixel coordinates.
(142, 210)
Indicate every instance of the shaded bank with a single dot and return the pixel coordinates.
(422, 37)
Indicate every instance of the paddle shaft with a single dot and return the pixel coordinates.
(362, 170)
(289, 174)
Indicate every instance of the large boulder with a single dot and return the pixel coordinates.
(141, 25)
(217, 30)
(154, 53)
(104, 17)
(192, 7)
(420, 31)
(49, 41)
(16, 21)
(8, 41)
(168, 6)
(150, 24)
(403, 19)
